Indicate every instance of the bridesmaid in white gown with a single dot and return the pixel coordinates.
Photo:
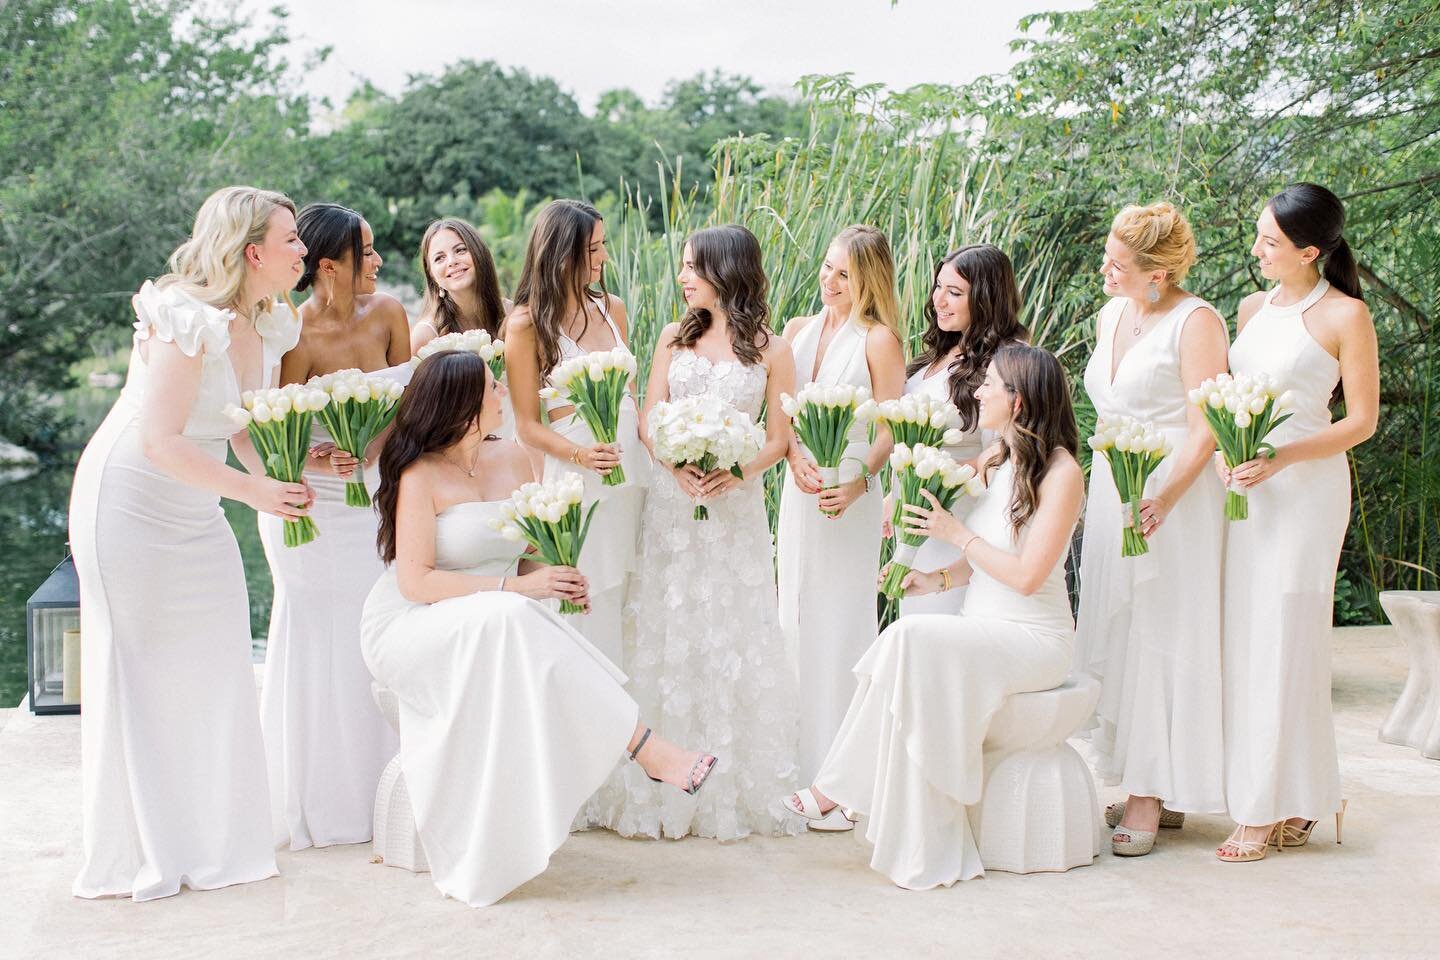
(1149, 626)
(1310, 332)
(462, 292)
(172, 763)
(974, 309)
(702, 639)
(562, 310)
(509, 718)
(908, 756)
(826, 564)
(326, 743)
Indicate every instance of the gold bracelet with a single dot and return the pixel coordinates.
(945, 583)
(575, 457)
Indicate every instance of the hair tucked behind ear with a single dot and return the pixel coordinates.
(210, 265)
(1311, 216)
(1044, 423)
(329, 232)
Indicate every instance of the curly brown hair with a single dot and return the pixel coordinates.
(728, 258)
(1044, 423)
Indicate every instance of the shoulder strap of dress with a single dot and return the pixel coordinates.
(604, 306)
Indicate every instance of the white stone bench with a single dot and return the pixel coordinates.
(1039, 811)
(396, 841)
(1414, 721)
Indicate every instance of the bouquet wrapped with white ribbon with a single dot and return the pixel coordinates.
(1133, 449)
(279, 421)
(1241, 412)
(822, 417)
(547, 516)
(916, 418)
(480, 342)
(360, 407)
(596, 385)
(704, 431)
(915, 469)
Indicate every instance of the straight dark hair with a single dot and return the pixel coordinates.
(1044, 423)
(728, 258)
(441, 403)
(994, 321)
(442, 306)
(329, 232)
(556, 274)
(1311, 216)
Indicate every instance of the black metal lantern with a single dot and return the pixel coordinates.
(52, 641)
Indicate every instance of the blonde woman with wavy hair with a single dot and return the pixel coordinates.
(1149, 627)
(173, 770)
(827, 560)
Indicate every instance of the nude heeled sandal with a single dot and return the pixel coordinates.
(1293, 836)
(1247, 850)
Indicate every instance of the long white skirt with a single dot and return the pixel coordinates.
(908, 755)
(326, 742)
(1149, 629)
(1280, 756)
(172, 765)
(827, 571)
(509, 720)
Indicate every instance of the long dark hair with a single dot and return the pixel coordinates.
(441, 403)
(557, 273)
(329, 231)
(1311, 216)
(728, 258)
(994, 321)
(1044, 423)
(440, 305)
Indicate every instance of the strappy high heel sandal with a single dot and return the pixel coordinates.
(700, 761)
(1291, 835)
(834, 820)
(1247, 850)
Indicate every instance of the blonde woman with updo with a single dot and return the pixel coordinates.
(173, 769)
(1149, 626)
(827, 563)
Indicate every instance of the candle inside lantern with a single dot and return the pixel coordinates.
(70, 658)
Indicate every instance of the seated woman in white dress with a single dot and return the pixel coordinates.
(908, 755)
(509, 718)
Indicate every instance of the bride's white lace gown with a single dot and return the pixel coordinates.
(703, 646)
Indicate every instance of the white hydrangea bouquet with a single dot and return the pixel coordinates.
(822, 417)
(278, 421)
(1133, 449)
(704, 431)
(916, 418)
(492, 351)
(914, 469)
(547, 516)
(360, 407)
(1241, 412)
(596, 385)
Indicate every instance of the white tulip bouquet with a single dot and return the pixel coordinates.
(916, 418)
(360, 408)
(704, 431)
(547, 516)
(914, 469)
(822, 417)
(596, 385)
(278, 421)
(1133, 449)
(1241, 412)
(492, 351)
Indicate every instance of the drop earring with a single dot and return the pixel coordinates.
(1152, 292)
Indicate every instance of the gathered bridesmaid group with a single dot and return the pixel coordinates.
(722, 682)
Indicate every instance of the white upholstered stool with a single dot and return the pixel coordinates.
(1039, 811)
(1414, 721)
(396, 841)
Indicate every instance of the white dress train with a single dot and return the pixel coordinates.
(1280, 563)
(827, 567)
(1149, 627)
(172, 763)
(509, 718)
(908, 756)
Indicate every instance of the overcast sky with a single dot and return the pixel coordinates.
(590, 46)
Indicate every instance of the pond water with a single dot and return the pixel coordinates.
(33, 538)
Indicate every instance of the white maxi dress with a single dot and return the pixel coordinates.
(172, 764)
(1149, 627)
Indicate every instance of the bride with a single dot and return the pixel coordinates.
(509, 718)
(702, 633)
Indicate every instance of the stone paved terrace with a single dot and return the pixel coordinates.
(813, 896)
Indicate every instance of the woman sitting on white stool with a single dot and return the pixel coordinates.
(908, 755)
